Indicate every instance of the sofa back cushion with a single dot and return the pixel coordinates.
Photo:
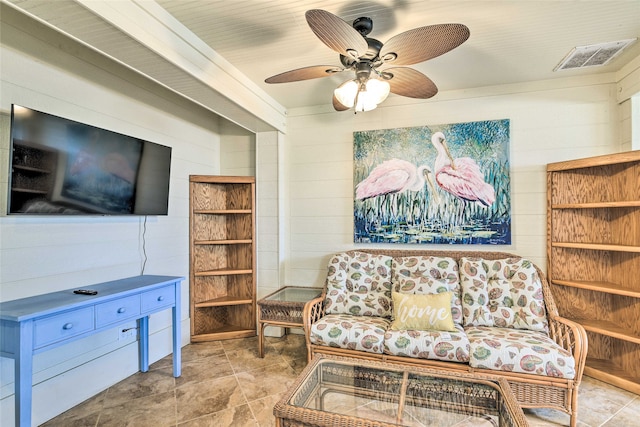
(423, 275)
(359, 283)
(506, 293)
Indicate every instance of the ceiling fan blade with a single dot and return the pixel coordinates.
(306, 73)
(423, 43)
(336, 33)
(411, 83)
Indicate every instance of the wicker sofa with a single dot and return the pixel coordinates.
(485, 312)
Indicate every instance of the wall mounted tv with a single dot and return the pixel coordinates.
(62, 167)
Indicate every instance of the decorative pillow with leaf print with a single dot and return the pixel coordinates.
(506, 293)
(359, 284)
(423, 275)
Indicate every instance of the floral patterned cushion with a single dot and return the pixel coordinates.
(359, 285)
(429, 275)
(506, 293)
(513, 350)
(435, 345)
(364, 333)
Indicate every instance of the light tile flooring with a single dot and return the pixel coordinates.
(225, 383)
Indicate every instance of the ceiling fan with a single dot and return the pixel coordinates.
(377, 66)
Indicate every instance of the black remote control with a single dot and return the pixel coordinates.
(85, 292)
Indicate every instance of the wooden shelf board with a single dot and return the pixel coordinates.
(596, 246)
(590, 162)
(592, 205)
(224, 301)
(606, 371)
(609, 329)
(226, 332)
(222, 211)
(604, 287)
(223, 272)
(223, 242)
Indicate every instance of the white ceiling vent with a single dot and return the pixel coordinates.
(592, 55)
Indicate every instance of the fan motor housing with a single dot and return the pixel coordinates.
(363, 25)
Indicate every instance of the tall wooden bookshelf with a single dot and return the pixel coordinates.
(223, 257)
(593, 253)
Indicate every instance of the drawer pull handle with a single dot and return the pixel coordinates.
(67, 326)
(161, 298)
(122, 310)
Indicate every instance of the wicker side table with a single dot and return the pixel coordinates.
(283, 308)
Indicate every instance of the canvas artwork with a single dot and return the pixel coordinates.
(440, 184)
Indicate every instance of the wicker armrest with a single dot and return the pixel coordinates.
(572, 337)
(313, 311)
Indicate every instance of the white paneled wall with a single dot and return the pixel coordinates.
(45, 254)
(547, 125)
(237, 150)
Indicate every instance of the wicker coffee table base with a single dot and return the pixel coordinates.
(337, 391)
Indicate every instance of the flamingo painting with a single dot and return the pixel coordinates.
(394, 176)
(397, 201)
(461, 177)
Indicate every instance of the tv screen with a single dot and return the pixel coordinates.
(59, 166)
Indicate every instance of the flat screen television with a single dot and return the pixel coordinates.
(62, 167)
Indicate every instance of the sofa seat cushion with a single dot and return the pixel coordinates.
(359, 284)
(435, 345)
(422, 275)
(517, 350)
(506, 293)
(364, 333)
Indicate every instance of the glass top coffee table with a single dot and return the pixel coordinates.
(339, 391)
(283, 308)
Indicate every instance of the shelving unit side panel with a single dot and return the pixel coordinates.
(239, 226)
(579, 264)
(242, 316)
(580, 186)
(239, 196)
(625, 181)
(626, 355)
(600, 346)
(210, 227)
(208, 258)
(583, 304)
(626, 270)
(207, 288)
(208, 196)
(241, 286)
(625, 226)
(625, 313)
(581, 226)
(210, 319)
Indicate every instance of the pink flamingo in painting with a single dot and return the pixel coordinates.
(393, 177)
(461, 177)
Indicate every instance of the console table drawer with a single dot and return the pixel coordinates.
(62, 326)
(161, 297)
(117, 311)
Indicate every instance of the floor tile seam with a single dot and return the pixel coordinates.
(175, 400)
(253, 414)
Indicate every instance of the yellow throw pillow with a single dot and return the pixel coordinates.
(422, 312)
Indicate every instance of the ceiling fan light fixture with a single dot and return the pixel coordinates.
(362, 97)
(346, 93)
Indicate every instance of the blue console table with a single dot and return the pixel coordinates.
(35, 324)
